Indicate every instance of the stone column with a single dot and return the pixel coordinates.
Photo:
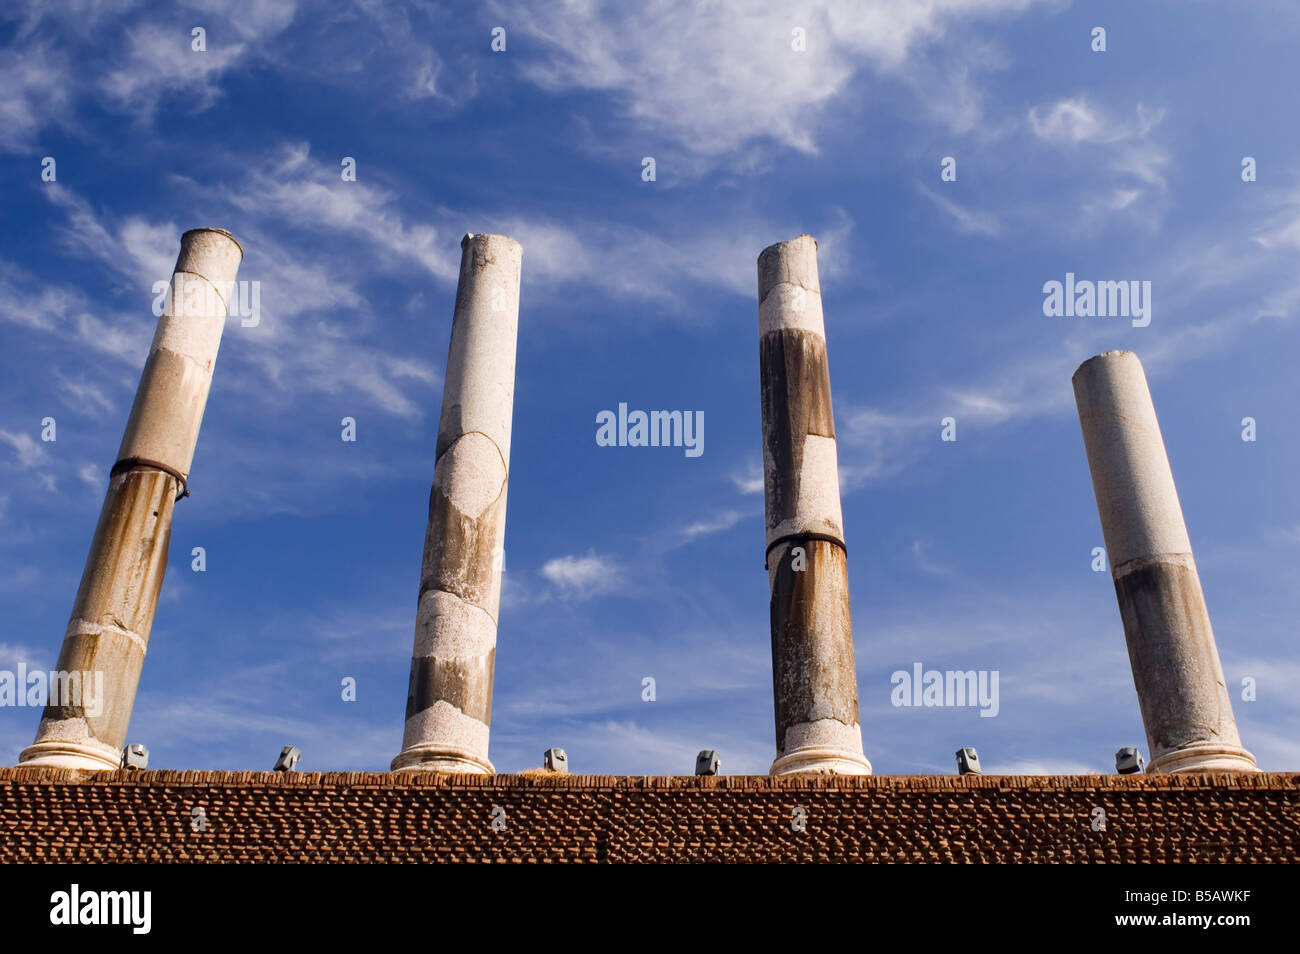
(114, 609)
(814, 679)
(449, 702)
(1176, 669)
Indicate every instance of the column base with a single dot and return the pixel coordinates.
(1203, 757)
(446, 759)
(821, 760)
(69, 755)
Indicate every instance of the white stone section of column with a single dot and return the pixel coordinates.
(114, 609)
(814, 677)
(449, 701)
(1176, 669)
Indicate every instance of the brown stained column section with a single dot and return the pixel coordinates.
(1176, 668)
(814, 677)
(114, 609)
(449, 703)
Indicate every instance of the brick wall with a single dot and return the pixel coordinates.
(65, 816)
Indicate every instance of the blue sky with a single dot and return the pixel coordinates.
(624, 563)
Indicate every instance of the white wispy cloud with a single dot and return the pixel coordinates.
(637, 263)
(88, 474)
(985, 406)
(313, 338)
(11, 654)
(715, 524)
(1034, 382)
(91, 328)
(1069, 122)
(256, 20)
(310, 193)
(972, 221)
(219, 720)
(159, 62)
(750, 480)
(35, 84)
(30, 454)
(1275, 679)
(1280, 228)
(137, 250)
(875, 443)
(582, 577)
(293, 288)
(130, 62)
(731, 74)
(83, 396)
(623, 261)
(920, 555)
(1135, 160)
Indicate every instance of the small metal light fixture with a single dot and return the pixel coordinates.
(708, 763)
(289, 756)
(1129, 761)
(135, 756)
(555, 760)
(968, 761)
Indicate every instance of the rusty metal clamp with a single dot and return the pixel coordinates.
(131, 463)
(803, 536)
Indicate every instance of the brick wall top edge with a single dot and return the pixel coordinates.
(192, 777)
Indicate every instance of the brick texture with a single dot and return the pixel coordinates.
(67, 816)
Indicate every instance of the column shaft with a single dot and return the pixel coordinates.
(449, 702)
(114, 609)
(813, 672)
(1181, 689)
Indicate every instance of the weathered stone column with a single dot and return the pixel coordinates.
(1176, 668)
(114, 610)
(814, 679)
(449, 703)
